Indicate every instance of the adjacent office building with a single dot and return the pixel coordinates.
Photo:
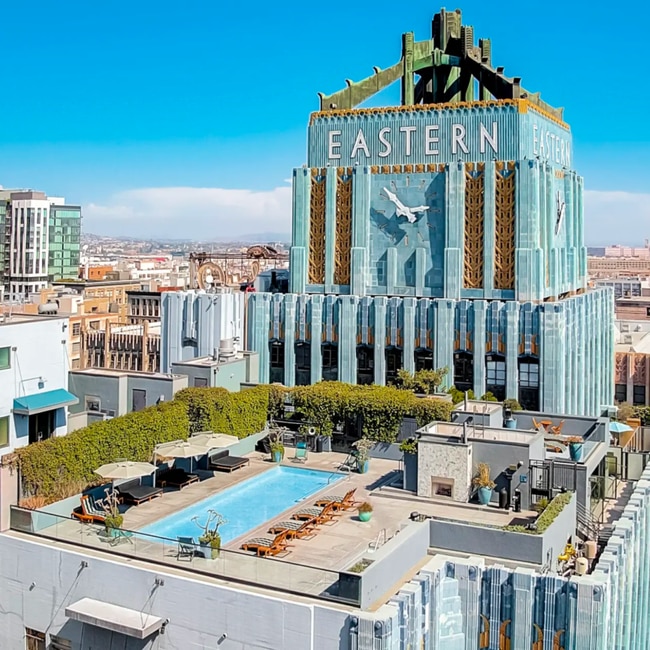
(444, 231)
(40, 241)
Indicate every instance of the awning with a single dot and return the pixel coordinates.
(46, 401)
(114, 618)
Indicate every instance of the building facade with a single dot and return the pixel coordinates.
(40, 239)
(448, 231)
(33, 379)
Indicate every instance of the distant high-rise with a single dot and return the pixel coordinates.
(39, 241)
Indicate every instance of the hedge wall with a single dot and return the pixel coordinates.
(381, 408)
(72, 459)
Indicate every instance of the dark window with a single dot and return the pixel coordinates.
(620, 393)
(330, 362)
(5, 358)
(463, 371)
(647, 311)
(393, 364)
(41, 426)
(423, 359)
(139, 399)
(200, 382)
(495, 370)
(638, 396)
(277, 362)
(529, 383)
(365, 364)
(303, 364)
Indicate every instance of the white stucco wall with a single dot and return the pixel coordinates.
(199, 612)
(40, 356)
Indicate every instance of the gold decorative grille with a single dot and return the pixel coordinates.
(343, 225)
(504, 249)
(317, 227)
(474, 226)
(621, 368)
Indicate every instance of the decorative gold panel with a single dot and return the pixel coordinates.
(620, 372)
(640, 370)
(317, 227)
(504, 249)
(473, 266)
(407, 169)
(343, 226)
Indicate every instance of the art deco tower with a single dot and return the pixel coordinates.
(446, 231)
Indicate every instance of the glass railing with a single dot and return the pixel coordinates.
(236, 566)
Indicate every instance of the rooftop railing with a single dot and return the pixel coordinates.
(235, 566)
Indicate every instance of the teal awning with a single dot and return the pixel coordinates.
(47, 401)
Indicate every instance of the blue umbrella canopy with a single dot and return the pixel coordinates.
(619, 427)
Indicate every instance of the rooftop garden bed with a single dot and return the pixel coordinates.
(547, 516)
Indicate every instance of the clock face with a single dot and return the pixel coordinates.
(406, 213)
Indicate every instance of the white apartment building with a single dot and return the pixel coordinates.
(33, 379)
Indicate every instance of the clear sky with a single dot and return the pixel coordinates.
(185, 119)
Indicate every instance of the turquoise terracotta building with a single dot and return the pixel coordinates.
(446, 231)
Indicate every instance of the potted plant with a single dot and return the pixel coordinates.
(365, 511)
(210, 539)
(277, 451)
(114, 519)
(484, 483)
(410, 472)
(575, 447)
(362, 452)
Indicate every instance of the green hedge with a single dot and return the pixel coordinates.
(381, 409)
(548, 516)
(71, 460)
(45, 466)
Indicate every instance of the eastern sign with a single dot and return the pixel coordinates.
(437, 136)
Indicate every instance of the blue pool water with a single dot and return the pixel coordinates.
(248, 504)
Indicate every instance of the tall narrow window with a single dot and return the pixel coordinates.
(276, 350)
(463, 371)
(495, 370)
(529, 383)
(330, 354)
(303, 363)
(365, 364)
(393, 364)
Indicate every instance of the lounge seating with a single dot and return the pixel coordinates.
(222, 461)
(86, 513)
(265, 546)
(345, 502)
(319, 516)
(186, 548)
(176, 477)
(301, 453)
(295, 529)
(133, 492)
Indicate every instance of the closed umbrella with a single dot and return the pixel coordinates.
(180, 449)
(619, 427)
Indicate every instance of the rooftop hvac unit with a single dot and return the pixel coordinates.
(627, 339)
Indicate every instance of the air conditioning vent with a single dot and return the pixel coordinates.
(627, 339)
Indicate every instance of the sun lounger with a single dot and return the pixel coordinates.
(345, 502)
(319, 515)
(295, 529)
(186, 548)
(265, 546)
(222, 461)
(176, 478)
(86, 513)
(137, 494)
(301, 453)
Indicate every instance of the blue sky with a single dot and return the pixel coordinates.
(127, 108)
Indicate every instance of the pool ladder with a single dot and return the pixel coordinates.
(380, 540)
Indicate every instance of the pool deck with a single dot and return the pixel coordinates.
(337, 546)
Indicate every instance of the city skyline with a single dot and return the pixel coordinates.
(142, 133)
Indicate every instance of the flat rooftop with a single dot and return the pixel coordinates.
(108, 372)
(209, 361)
(454, 433)
(17, 319)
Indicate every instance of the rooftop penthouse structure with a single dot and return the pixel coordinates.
(446, 231)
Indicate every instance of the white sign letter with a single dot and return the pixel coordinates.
(333, 144)
(408, 130)
(360, 143)
(492, 140)
(535, 140)
(388, 147)
(457, 138)
(431, 140)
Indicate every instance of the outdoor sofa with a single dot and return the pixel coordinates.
(133, 492)
(222, 461)
(176, 477)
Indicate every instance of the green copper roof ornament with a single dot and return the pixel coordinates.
(447, 69)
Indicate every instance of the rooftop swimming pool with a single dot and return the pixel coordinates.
(248, 504)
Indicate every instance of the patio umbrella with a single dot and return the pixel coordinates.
(125, 469)
(213, 440)
(619, 427)
(180, 449)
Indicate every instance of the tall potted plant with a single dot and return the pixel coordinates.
(362, 452)
(114, 518)
(575, 447)
(210, 539)
(275, 440)
(483, 483)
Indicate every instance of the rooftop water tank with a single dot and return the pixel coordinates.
(582, 566)
(590, 549)
(48, 308)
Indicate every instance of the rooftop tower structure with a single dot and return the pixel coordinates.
(446, 231)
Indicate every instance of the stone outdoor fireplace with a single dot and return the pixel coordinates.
(444, 468)
(442, 487)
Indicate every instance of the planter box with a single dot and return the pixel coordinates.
(410, 475)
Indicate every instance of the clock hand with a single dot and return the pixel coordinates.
(393, 198)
